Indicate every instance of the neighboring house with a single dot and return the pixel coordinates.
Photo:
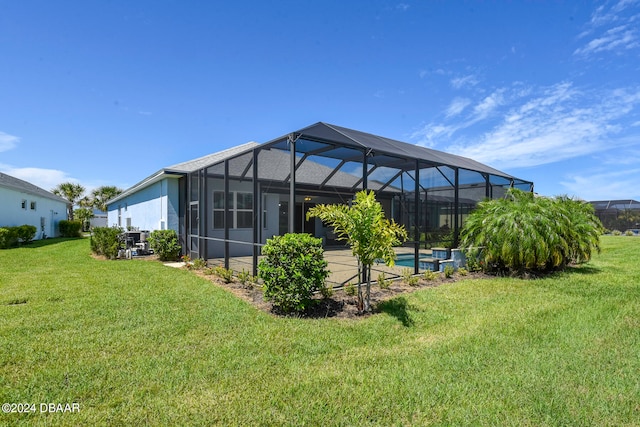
(25, 203)
(227, 204)
(99, 219)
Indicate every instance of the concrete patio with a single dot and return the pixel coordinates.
(341, 263)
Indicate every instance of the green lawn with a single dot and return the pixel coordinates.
(137, 343)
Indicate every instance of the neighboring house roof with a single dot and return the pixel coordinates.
(14, 183)
(204, 161)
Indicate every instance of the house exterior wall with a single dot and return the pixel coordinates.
(45, 217)
(155, 207)
(270, 228)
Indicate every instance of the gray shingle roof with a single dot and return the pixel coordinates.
(204, 161)
(14, 183)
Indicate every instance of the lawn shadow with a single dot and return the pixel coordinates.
(583, 269)
(46, 242)
(398, 308)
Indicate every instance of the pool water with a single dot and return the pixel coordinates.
(408, 260)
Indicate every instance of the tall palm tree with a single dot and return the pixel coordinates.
(70, 191)
(102, 195)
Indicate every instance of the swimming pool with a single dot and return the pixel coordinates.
(408, 260)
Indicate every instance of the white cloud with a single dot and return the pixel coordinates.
(430, 134)
(560, 123)
(522, 127)
(612, 28)
(464, 81)
(457, 106)
(488, 105)
(619, 38)
(7, 142)
(618, 184)
(402, 6)
(43, 178)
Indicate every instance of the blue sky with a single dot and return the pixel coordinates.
(106, 93)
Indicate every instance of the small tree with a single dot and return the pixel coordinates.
(368, 232)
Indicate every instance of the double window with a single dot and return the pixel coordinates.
(240, 209)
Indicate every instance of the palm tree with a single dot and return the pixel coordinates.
(369, 233)
(522, 233)
(84, 215)
(102, 195)
(70, 191)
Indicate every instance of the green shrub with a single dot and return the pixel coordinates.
(522, 233)
(448, 271)
(628, 233)
(350, 289)
(246, 279)
(8, 237)
(409, 278)
(383, 282)
(165, 244)
(472, 256)
(106, 241)
(225, 274)
(429, 275)
(12, 236)
(463, 271)
(293, 269)
(70, 228)
(616, 233)
(26, 233)
(199, 263)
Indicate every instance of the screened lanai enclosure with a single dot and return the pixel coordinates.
(238, 202)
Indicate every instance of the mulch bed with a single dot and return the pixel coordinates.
(339, 305)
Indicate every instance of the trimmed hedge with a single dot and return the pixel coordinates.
(70, 228)
(12, 236)
(8, 237)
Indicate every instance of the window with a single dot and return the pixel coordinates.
(240, 209)
(244, 210)
(218, 209)
(24, 204)
(264, 211)
(33, 206)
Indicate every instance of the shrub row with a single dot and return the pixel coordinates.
(12, 236)
(70, 228)
(108, 241)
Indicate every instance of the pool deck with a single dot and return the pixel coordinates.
(342, 265)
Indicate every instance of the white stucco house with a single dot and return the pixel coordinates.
(25, 203)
